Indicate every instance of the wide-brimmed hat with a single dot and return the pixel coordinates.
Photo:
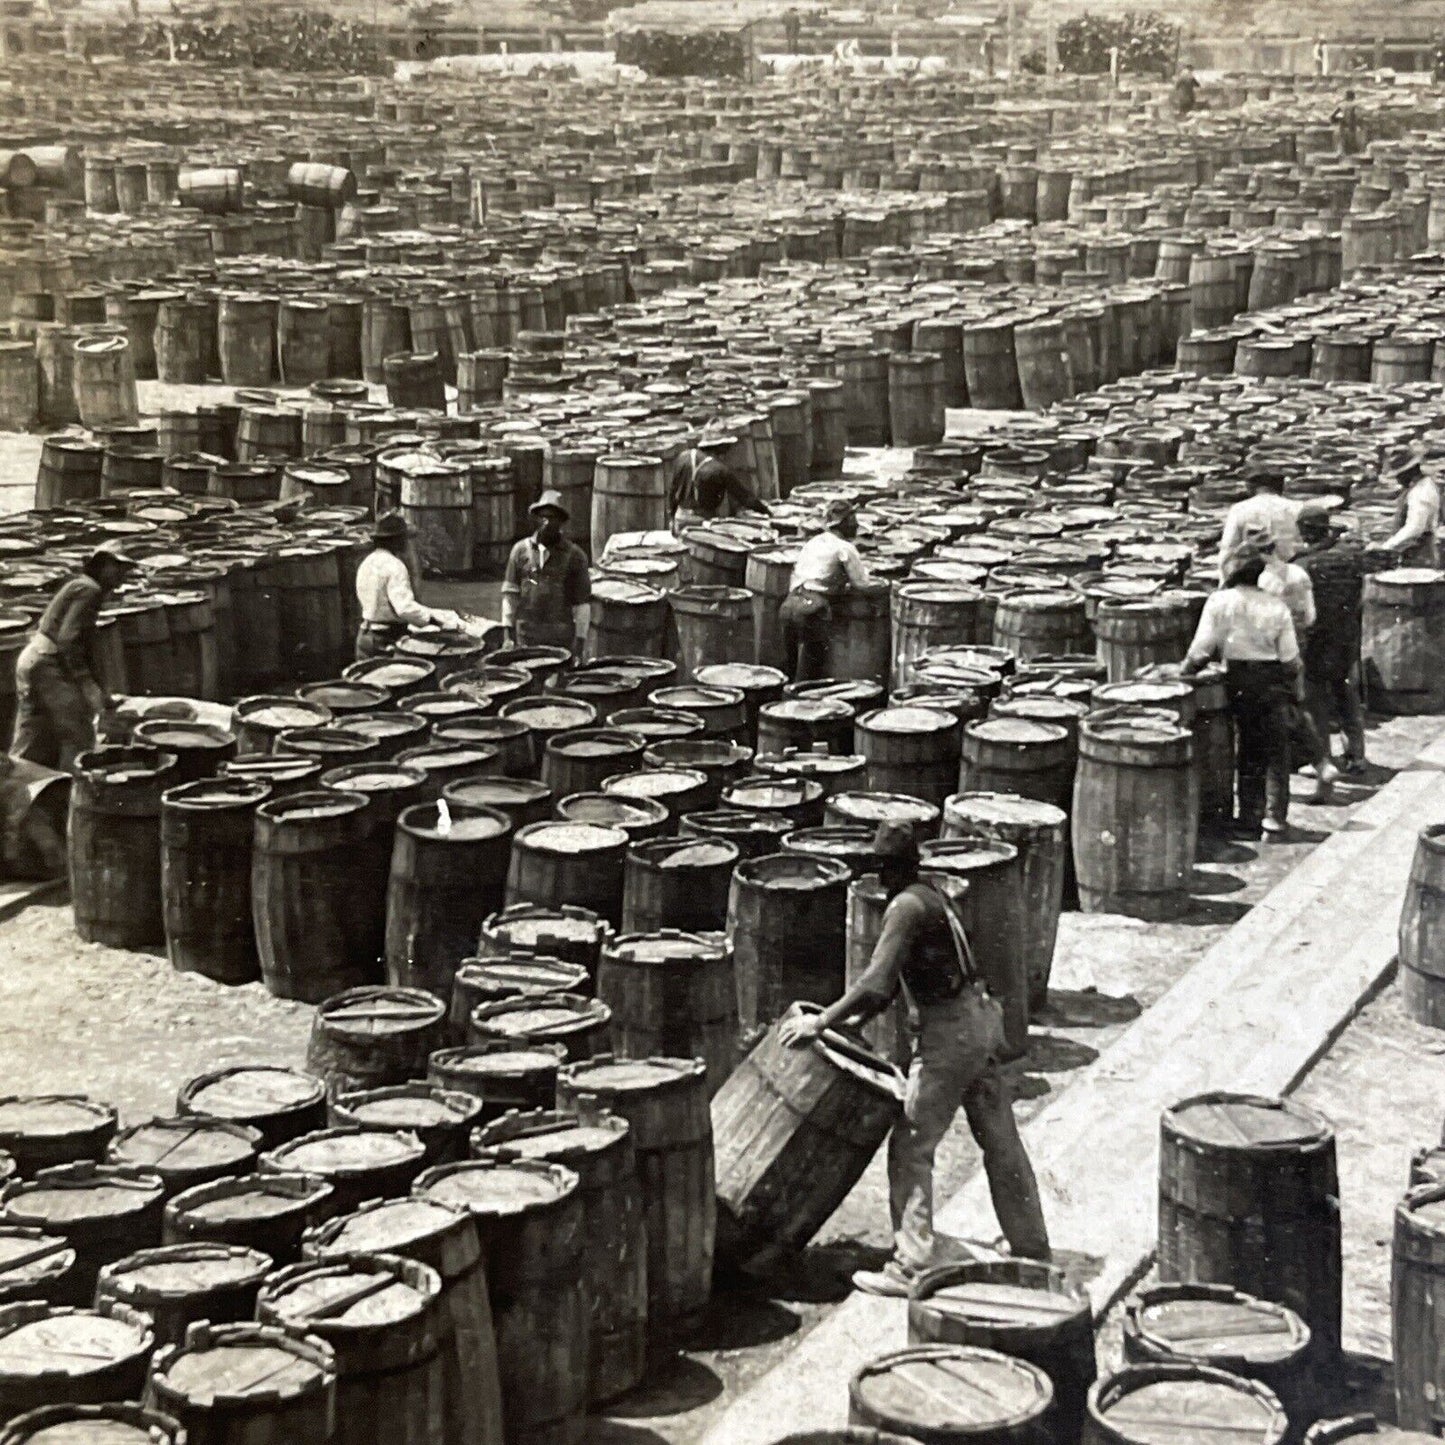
(550, 499)
(894, 843)
(838, 512)
(389, 527)
(1316, 522)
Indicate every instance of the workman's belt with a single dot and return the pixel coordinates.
(383, 626)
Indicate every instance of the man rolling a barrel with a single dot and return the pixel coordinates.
(957, 1036)
(547, 589)
(385, 590)
(703, 487)
(827, 565)
(57, 697)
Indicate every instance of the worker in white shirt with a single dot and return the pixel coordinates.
(1417, 513)
(1251, 632)
(1265, 507)
(827, 565)
(386, 593)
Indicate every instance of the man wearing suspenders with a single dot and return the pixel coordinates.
(957, 1038)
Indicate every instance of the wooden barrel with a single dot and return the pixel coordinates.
(39, 1131)
(993, 911)
(531, 1222)
(576, 863)
(1137, 633)
(175, 1285)
(246, 339)
(56, 1356)
(1419, 1247)
(102, 1211)
(581, 1026)
(947, 1393)
(1030, 624)
(1014, 755)
(931, 614)
(501, 1074)
(786, 920)
(598, 1147)
(665, 1101)
(578, 761)
(672, 994)
(524, 974)
(1039, 832)
(676, 790)
(917, 396)
(1422, 942)
(909, 749)
(448, 873)
(859, 640)
(231, 1384)
(35, 1267)
(677, 883)
(444, 1239)
(1140, 1405)
(266, 1212)
(805, 724)
(629, 494)
(106, 1424)
(1021, 1308)
(205, 839)
(373, 1036)
(849, 809)
(1229, 1156)
(794, 1130)
(1211, 1324)
(115, 851)
(574, 935)
(1135, 817)
(990, 366)
(627, 617)
(713, 626)
(380, 1316)
(439, 1118)
(1403, 640)
(259, 721)
(278, 1103)
(104, 378)
(185, 1151)
(436, 500)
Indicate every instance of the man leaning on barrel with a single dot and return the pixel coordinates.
(957, 1039)
(547, 589)
(386, 592)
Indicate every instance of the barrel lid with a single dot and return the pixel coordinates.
(349, 1295)
(612, 810)
(71, 1194)
(682, 853)
(179, 1271)
(952, 1388)
(571, 839)
(1409, 576)
(251, 1091)
(385, 724)
(279, 713)
(371, 778)
(1247, 1122)
(463, 824)
(344, 1150)
(746, 676)
(496, 1189)
(551, 713)
(667, 946)
(250, 1197)
(345, 694)
(1212, 1323)
(310, 807)
(654, 783)
(1017, 731)
(383, 1226)
(408, 1106)
(772, 792)
(28, 1254)
(552, 1136)
(438, 757)
(998, 1302)
(177, 733)
(907, 719)
(51, 1116)
(928, 590)
(808, 709)
(391, 672)
(500, 1063)
(496, 792)
(966, 855)
(279, 769)
(249, 1363)
(1005, 809)
(65, 1342)
(881, 807)
(530, 925)
(1159, 1404)
(544, 1016)
(1154, 730)
(92, 1425)
(624, 589)
(604, 1075)
(523, 974)
(596, 743)
(185, 1145)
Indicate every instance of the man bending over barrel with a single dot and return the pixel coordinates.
(957, 1037)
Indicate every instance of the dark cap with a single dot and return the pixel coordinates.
(894, 843)
(110, 552)
(839, 511)
(550, 499)
(389, 527)
(1313, 521)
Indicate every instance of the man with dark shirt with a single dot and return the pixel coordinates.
(1335, 562)
(56, 695)
(958, 1035)
(701, 488)
(547, 589)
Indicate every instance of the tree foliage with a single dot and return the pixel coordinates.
(1147, 43)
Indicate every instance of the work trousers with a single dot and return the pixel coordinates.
(955, 1065)
(373, 639)
(1332, 693)
(805, 618)
(53, 720)
(1260, 698)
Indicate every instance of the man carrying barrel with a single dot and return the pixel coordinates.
(957, 1039)
(57, 697)
(385, 590)
(547, 589)
(1417, 513)
(1253, 634)
(703, 488)
(1265, 508)
(1335, 564)
(827, 565)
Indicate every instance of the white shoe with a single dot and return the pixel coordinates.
(1325, 782)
